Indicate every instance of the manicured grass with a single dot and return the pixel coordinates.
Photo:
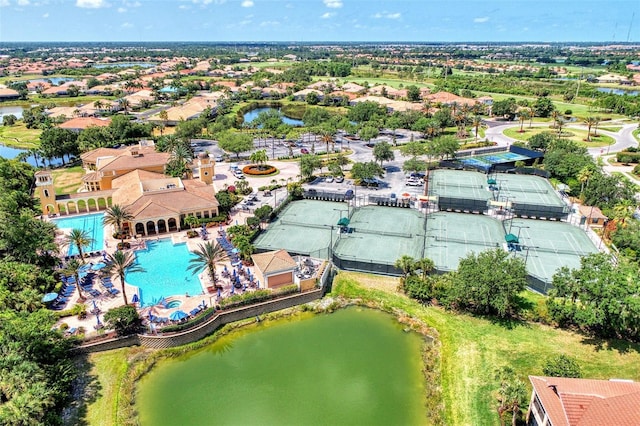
(67, 180)
(18, 136)
(614, 129)
(105, 372)
(636, 134)
(395, 83)
(473, 348)
(577, 135)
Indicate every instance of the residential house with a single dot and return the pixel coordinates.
(561, 401)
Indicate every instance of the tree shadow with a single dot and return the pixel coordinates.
(508, 323)
(86, 390)
(602, 344)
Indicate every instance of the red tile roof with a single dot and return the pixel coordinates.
(585, 402)
(84, 122)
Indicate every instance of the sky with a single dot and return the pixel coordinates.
(320, 20)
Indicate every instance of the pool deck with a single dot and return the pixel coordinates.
(188, 303)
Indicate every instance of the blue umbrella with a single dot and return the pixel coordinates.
(49, 297)
(219, 293)
(135, 298)
(95, 307)
(98, 320)
(178, 315)
(235, 250)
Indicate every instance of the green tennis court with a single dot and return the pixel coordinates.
(548, 245)
(452, 236)
(527, 189)
(460, 184)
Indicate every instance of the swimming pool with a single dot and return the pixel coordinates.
(166, 272)
(92, 223)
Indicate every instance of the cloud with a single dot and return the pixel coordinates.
(23, 2)
(91, 4)
(247, 3)
(121, 10)
(481, 20)
(126, 25)
(334, 4)
(387, 15)
(45, 16)
(328, 15)
(4, 3)
(269, 23)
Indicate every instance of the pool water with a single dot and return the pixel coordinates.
(92, 223)
(166, 272)
(353, 367)
(174, 304)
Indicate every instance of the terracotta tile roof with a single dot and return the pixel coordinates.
(274, 261)
(449, 98)
(127, 161)
(585, 402)
(352, 87)
(92, 156)
(81, 123)
(8, 93)
(591, 211)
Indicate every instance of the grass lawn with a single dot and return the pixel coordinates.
(636, 134)
(614, 129)
(577, 135)
(18, 136)
(393, 82)
(473, 348)
(105, 371)
(67, 180)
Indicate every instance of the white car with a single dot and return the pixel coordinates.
(413, 182)
(328, 179)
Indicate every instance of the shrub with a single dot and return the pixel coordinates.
(77, 309)
(191, 233)
(261, 170)
(568, 112)
(124, 320)
(628, 156)
(124, 245)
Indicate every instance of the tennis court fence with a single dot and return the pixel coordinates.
(382, 233)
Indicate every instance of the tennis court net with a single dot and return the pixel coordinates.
(383, 233)
(469, 242)
(529, 190)
(458, 185)
(556, 251)
(306, 225)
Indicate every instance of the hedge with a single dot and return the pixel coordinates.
(257, 296)
(208, 313)
(628, 157)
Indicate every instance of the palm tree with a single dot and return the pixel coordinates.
(181, 156)
(583, 176)
(259, 157)
(207, 255)
(117, 215)
(124, 104)
(596, 121)
(98, 105)
(523, 116)
(407, 264)
(121, 262)
(73, 268)
(425, 265)
(476, 122)
(191, 220)
(589, 121)
(560, 122)
(164, 116)
(81, 239)
(623, 211)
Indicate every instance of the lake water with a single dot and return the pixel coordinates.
(126, 65)
(355, 366)
(617, 91)
(56, 81)
(9, 110)
(253, 114)
(9, 152)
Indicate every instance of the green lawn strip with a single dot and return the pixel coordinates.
(636, 134)
(106, 371)
(613, 129)
(473, 348)
(18, 136)
(393, 82)
(578, 135)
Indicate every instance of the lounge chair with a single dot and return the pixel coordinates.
(71, 331)
(107, 285)
(113, 291)
(93, 292)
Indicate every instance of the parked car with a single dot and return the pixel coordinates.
(328, 179)
(339, 179)
(304, 151)
(413, 182)
(219, 158)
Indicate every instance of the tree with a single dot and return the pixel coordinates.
(181, 156)
(445, 146)
(308, 164)
(413, 149)
(124, 105)
(368, 132)
(476, 122)
(120, 263)
(225, 201)
(206, 256)
(164, 116)
(191, 221)
(489, 283)
(366, 111)
(370, 170)
(73, 268)
(413, 93)
(116, 215)
(259, 157)
(541, 141)
(263, 212)
(584, 175)
(590, 122)
(382, 152)
(523, 116)
(425, 266)
(314, 117)
(235, 142)
(505, 108)
(81, 239)
(512, 395)
(407, 265)
(57, 142)
(9, 120)
(123, 319)
(414, 165)
(543, 107)
(562, 366)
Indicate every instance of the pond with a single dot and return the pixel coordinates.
(126, 65)
(56, 81)
(9, 153)
(617, 91)
(355, 366)
(11, 110)
(253, 114)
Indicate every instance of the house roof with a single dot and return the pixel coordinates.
(591, 211)
(447, 98)
(81, 123)
(585, 402)
(93, 155)
(127, 161)
(145, 199)
(8, 93)
(274, 261)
